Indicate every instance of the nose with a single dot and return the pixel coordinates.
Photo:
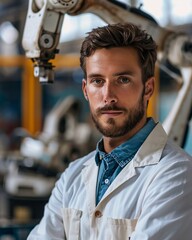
(109, 94)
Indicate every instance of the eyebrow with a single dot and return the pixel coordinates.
(131, 73)
(115, 74)
(94, 75)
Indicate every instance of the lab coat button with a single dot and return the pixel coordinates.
(98, 214)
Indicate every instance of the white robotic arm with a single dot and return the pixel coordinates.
(44, 22)
(41, 37)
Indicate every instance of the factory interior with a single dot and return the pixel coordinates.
(45, 126)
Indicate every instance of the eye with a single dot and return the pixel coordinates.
(124, 79)
(97, 81)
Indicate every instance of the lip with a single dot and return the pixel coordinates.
(112, 113)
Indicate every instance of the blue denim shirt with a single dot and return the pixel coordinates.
(110, 164)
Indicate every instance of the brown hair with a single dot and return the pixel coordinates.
(122, 35)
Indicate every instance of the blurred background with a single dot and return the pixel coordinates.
(44, 127)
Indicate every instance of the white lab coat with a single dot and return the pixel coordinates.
(150, 199)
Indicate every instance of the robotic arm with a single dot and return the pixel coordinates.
(41, 37)
(44, 23)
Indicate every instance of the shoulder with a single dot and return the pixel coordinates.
(175, 165)
(173, 152)
(169, 151)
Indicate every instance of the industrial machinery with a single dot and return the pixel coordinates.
(47, 17)
(41, 38)
(63, 139)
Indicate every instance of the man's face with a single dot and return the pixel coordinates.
(116, 94)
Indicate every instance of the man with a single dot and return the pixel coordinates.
(137, 184)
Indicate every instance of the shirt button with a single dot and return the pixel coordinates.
(107, 181)
(98, 214)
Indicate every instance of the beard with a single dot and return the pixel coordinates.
(113, 129)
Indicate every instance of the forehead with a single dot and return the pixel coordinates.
(120, 58)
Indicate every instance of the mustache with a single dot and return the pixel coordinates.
(110, 108)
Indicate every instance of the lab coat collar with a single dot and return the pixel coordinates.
(150, 152)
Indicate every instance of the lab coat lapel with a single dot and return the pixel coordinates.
(89, 176)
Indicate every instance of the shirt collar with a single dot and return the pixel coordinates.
(127, 150)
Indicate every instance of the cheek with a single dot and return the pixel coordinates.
(95, 99)
(128, 98)
(94, 94)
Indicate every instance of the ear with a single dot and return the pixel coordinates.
(149, 88)
(84, 88)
